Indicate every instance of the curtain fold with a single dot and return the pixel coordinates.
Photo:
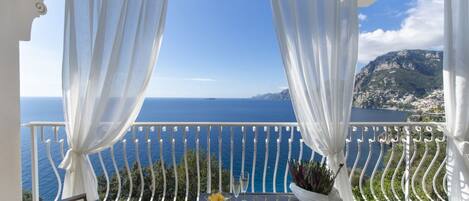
(456, 92)
(110, 49)
(318, 41)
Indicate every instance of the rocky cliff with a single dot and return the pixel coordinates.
(398, 79)
(401, 80)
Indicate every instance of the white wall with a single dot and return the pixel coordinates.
(16, 17)
(10, 158)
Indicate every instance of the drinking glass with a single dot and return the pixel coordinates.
(244, 180)
(236, 187)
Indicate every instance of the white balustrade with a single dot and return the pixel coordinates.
(387, 160)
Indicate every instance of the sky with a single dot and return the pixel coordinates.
(228, 48)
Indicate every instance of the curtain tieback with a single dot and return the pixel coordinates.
(462, 145)
(335, 158)
(69, 159)
(338, 154)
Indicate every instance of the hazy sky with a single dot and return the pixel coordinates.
(228, 48)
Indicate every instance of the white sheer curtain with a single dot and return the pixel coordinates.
(456, 90)
(318, 41)
(110, 48)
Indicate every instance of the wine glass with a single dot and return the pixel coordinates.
(244, 180)
(236, 187)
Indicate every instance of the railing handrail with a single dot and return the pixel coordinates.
(52, 123)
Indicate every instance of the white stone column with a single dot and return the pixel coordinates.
(16, 17)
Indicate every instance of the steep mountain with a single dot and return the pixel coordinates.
(401, 80)
(398, 79)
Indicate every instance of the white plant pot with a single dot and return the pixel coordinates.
(304, 195)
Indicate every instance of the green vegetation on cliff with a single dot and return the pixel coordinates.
(170, 181)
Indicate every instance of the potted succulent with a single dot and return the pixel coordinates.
(313, 181)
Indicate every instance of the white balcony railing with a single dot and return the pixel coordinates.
(386, 161)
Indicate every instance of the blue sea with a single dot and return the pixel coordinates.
(185, 110)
